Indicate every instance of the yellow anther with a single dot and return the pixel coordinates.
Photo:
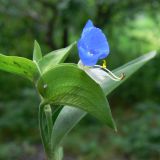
(104, 65)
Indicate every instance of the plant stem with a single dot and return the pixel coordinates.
(48, 113)
(58, 154)
(42, 127)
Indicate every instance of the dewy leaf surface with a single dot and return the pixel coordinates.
(54, 57)
(66, 84)
(72, 116)
(18, 65)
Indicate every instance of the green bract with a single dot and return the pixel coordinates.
(66, 84)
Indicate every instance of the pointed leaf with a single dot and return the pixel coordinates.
(66, 84)
(107, 84)
(128, 69)
(64, 124)
(18, 65)
(37, 54)
(73, 115)
(54, 57)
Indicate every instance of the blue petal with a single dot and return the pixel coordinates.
(89, 25)
(96, 40)
(86, 57)
(80, 43)
(92, 45)
(101, 54)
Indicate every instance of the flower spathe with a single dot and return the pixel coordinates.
(92, 45)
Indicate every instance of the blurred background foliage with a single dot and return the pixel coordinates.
(132, 28)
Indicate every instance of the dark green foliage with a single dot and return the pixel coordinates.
(18, 117)
(139, 135)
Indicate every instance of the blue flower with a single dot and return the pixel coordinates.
(92, 45)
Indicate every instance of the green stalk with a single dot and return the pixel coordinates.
(45, 115)
(48, 113)
(42, 128)
(58, 154)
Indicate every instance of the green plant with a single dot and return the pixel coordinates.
(69, 89)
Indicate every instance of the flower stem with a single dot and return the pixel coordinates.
(42, 127)
(45, 125)
(58, 154)
(48, 113)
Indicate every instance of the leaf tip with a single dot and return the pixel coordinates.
(36, 43)
(37, 54)
(73, 44)
(115, 129)
(153, 53)
(113, 126)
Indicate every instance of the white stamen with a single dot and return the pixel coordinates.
(95, 73)
(110, 74)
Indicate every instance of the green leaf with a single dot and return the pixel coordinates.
(66, 84)
(65, 122)
(73, 115)
(128, 69)
(54, 57)
(37, 54)
(19, 65)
